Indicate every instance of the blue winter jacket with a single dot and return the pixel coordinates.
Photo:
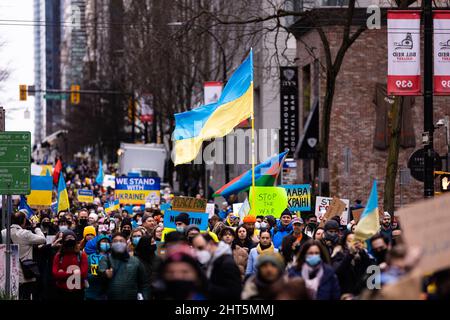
(329, 285)
(280, 234)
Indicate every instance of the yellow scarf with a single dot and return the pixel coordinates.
(270, 249)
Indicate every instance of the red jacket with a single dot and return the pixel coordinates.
(61, 267)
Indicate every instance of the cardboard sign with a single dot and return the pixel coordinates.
(299, 197)
(137, 190)
(268, 201)
(197, 218)
(322, 208)
(189, 204)
(86, 196)
(210, 209)
(357, 214)
(430, 232)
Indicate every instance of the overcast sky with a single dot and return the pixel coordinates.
(17, 55)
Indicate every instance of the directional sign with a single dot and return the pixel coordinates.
(56, 96)
(15, 155)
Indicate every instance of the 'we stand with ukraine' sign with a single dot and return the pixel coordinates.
(137, 190)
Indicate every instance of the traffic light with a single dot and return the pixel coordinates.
(445, 182)
(75, 94)
(23, 92)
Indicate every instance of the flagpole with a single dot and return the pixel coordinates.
(253, 146)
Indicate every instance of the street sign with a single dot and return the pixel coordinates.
(416, 164)
(56, 96)
(15, 155)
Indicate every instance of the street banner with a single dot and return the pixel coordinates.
(109, 181)
(431, 235)
(86, 196)
(268, 201)
(133, 190)
(338, 209)
(189, 204)
(441, 22)
(299, 197)
(14, 267)
(210, 209)
(200, 219)
(290, 125)
(111, 206)
(403, 53)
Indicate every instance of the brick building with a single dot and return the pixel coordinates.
(353, 160)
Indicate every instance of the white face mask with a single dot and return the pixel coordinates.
(263, 225)
(203, 256)
(257, 225)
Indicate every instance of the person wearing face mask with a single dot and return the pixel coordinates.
(181, 277)
(312, 266)
(252, 228)
(310, 226)
(62, 224)
(70, 269)
(83, 222)
(224, 278)
(182, 221)
(125, 275)
(125, 227)
(47, 228)
(379, 250)
(96, 289)
(271, 223)
(331, 242)
(145, 252)
(135, 236)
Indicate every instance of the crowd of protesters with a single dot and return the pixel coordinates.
(88, 254)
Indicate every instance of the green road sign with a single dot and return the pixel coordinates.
(56, 96)
(15, 155)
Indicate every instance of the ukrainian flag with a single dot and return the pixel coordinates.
(369, 223)
(217, 119)
(41, 191)
(63, 197)
(112, 206)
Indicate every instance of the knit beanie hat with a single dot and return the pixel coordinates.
(89, 230)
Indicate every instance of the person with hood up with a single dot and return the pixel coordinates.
(264, 284)
(70, 269)
(145, 252)
(271, 223)
(224, 279)
(331, 243)
(284, 227)
(321, 281)
(96, 288)
(265, 246)
(89, 233)
(125, 275)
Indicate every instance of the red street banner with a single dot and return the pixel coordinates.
(441, 23)
(404, 53)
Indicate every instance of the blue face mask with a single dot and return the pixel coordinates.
(313, 260)
(104, 246)
(136, 240)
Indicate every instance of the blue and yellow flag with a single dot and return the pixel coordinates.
(112, 206)
(63, 197)
(24, 206)
(41, 191)
(369, 223)
(217, 119)
(100, 174)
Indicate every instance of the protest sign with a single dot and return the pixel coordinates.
(14, 267)
(164, 207)
(109, 181)
(431, 233)
(198, 218)
(189, 204)
(299, 197)
(210, 209)
(132, 190)
(86, 196)
(237, 207)
(339, 208)
(112, 206)
(268, 201)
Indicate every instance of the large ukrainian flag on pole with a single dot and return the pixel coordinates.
(63, 197)
(369, 223)
(217, 119)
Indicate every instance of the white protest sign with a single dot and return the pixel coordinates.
(322, 205)
(210, 209)
(109, 181)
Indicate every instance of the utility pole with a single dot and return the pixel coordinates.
(2, 128)
(428, 101)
